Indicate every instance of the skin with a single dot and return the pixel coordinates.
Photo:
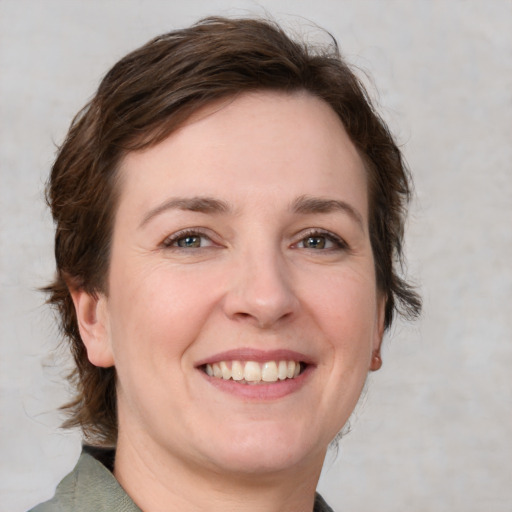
(267, 271)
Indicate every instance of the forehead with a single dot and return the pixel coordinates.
(277, 145)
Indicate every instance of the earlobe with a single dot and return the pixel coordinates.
(376, 362)
(92, 318)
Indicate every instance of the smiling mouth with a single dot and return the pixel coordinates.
(253, 372)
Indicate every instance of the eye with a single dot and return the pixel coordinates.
(316, 242)
(319, 240)
(189, 239)
(189, 242)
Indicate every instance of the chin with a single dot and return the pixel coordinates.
(267, 449)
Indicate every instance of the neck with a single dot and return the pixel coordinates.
(158, 482)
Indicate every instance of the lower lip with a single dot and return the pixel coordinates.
(263, 391)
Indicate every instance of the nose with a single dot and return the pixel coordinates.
(261, 291)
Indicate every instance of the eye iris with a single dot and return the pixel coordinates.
(315, 242)
(189, 241)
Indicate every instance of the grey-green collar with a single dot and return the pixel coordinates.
(89, 487)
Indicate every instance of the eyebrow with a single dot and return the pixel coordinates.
(310, 204)
(302, 205)
(192, 204)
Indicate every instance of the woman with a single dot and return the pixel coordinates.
(229, 214)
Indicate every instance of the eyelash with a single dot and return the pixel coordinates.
(171, 240)
(339, 243)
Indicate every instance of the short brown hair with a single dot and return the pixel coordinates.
(145, 97)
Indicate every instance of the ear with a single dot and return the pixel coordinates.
(92, 317)
(380, 313)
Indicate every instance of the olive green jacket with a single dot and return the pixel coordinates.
(91, 487)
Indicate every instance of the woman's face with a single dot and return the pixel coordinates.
(240, 257)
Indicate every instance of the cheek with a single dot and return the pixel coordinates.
(346, 306)
(347, 316)
(156, 314)
(347, 320)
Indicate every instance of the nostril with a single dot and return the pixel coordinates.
(260, 299)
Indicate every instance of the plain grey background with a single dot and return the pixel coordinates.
(434, 429)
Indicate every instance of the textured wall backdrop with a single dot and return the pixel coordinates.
(434, 431)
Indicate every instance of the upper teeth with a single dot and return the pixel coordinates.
(251, 371)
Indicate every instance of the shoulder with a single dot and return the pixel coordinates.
(48, 506)
(321, 505)
(89, 487)
(64, 498)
